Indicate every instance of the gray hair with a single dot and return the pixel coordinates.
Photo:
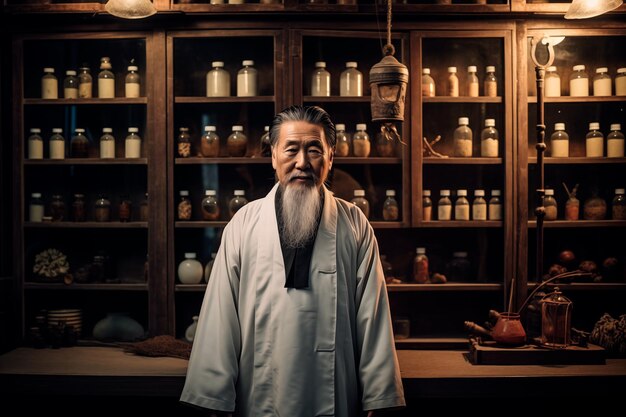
(312, 114)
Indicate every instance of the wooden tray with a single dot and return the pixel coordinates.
(490, 353)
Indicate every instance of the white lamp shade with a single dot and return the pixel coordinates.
(583, 9)
(130, 9)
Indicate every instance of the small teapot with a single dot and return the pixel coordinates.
(509, 330)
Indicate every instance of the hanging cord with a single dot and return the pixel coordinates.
(389, 49)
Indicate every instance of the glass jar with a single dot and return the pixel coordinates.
(489, 140)
(351, 81)
(479, 206)
(594, 208)
(35, 208)
(459, 267)
(190, 270)
(342, 147)
(57, 208)
(618, 211)
(453, 82)
(210, 207)
(472, 82)
(236, 202)
(49, 84)
(106, 79)
(391, 210)
(620, 82)
(132, 84)
(463, 139)
(615, 142)
(602, 82)
(57, 144)
(132, 144)
(559, 142)
(421, 273)
(572, 208)
(126, 209)
(594, 142)
(361, 145)
(78, 208)
(184, 142)
(247, 80)
(552, 83)
(265, 143)
(35, 144)
(184, 206)
(144, 209)
(427, 206)
(210, 143)
(102, 209)
(79, 145)
(491, 82)
(444, 206)
(85, 82)
(361, 202)
(237, 142)
(107, 143)
(385, 145)
(320, 80)
(428, 84)
(461, 206)
(549, 203)
(578, 82)
(70, 85)
(217, 81)
(495, 206)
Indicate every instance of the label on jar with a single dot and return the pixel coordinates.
(615, 148)
(453, 86)
(491, 88)
(495, 211)
(70, 92)
(594, 147)
(35, 149)
(579, 87)
(132, 148)
(489, 148)
(49, 87)
(132, 90)
(107, 149)
(35, 212)
(463, 148)
(620, 86)
(57, 149)
(552, 87)
(444, 212)
(479, 210)
(106, 88)
(461, 212)
(472, 89)
(84, 90)
(559, 148)
(427, 213)
(602, 87)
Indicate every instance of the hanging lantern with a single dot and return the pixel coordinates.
(388, 82)
(556, 317)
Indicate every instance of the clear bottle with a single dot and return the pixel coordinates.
(79, 145)
(578, 82)
(620, 82)
(479, 206)
(559, 142)
(184, 142)
(78, 208)
(132, 144)
(236, 202)
(489, 140)
(594, 143)
(266, 144)
(49, 84)
(210, 208)
(602, 82)
(428, 84)
(102, 209)
(459, 267)
(247, 80)
(320, 80)
(132, 84)
(342, 147)
(421, 273)
(495, 206)
(85, 82)
(427, 206)
(144, 209)
(552, 83)
(190, 270)
(35, 144)
(444, 206)
(472, 82)
(125, 209)
(36, 208)
(237, 142)
(57, 144)
(217, 81)
(361, 202)
(107, 143)
(453, 82)
(106, 79)
(491, 82)
(463, 139)
(184, 206)
(549, 203)
(615, 142)
(361, 145)
(70, 85)
(461, 206)
(351, 81)
(618, 211)
(391, 211)
(210, 143)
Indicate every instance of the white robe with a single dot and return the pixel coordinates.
(261, 349)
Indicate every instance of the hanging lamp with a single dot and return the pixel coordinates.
(583, 9)
(130, 9)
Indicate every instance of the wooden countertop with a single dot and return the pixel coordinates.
(425, 373)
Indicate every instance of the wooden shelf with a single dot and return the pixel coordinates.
(463, 223)
(589, 99)
(86, 161)
(199, 224)
(440, 8)
(462, 99)
(85, 101)
(578, 160)
(564, 224)
(387, 225)
(585, 286)
(85, 287)
(476, 160)
(86, 225)
(449, 286)
(353, 160)
(190, 288)
(240, 100)
(336, 99)
(227, 8)
(432, 343)
(199, 160)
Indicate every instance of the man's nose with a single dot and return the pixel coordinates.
(302, 160)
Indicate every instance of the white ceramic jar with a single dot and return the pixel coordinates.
(190, 270)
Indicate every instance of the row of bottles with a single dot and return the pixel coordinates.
(209, 205)
(236, 143)
(391, 210)
(360, 145)
(77, 211)
(594, 208)
(480, 209)
(453, 89)
(594, 142)
(458, 268)
(80, 85)
(350, 81)
(218, 80)
(79, 144)
(463, 139)
(191, 271)
(579, 84)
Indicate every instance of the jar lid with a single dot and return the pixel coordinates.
(107, 130)
(621, 70)
(361, 126)
(132, 68)
(549, 191)
(84, 68)
(616, 126)
(426, 193)
(190, 255)
(495, 193)
(36, 195)
(594, 126)
(619, 191)
(210, 192)
(490, 68)
(479, 193)
(239, 192)
(79, 130)
(579, 68)
(351, 64)
(444, 193)
(451, 69)
(266, 128)
(35, 130)
(48, 69)
(217, 64)
(57, 130)
(459, 254)
(183, 129)
(426, 71)
(490, 122)
(79, 195)
(70, 72)
(471, 68)
(57, 196)
(209, 128)
(247, 62)
(359, 193)
(133, 129)
(601, 70)
(105, 58)
(463, 120)
(237, 128)
(320, 64)
(461, 193)
(552, 68)
(184, 192)
(420, 250)
(559, 126)
(390, 193)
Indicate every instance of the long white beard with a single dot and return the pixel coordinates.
(300, 207)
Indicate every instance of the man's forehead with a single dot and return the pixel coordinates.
(301, 130)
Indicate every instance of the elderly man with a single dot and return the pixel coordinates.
(295, 320)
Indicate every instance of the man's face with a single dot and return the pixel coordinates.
(301, 155)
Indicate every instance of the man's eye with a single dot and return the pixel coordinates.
(315, 151)
(291, 151)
